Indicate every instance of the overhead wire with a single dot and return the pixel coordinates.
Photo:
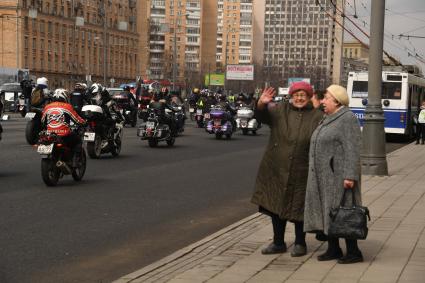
(403, 47)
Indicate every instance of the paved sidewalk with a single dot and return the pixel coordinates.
(393, 252)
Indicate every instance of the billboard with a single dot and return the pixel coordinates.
(294, 80)
(214, 79)
(240, 72)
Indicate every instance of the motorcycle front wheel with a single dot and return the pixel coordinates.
(49, 172)
(116, 147)
(78, 172)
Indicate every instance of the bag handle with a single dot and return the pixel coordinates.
(353, 203)
(343, 197)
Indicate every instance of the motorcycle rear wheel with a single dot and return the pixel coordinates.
(94, 149)
(244, 132)
(228, 136)
(152, 142)
(32, 130)
(49, 172)
(218, 136)
(171, 141)
(78, 173)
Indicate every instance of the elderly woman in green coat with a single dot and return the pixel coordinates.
(282, 176)
(334, 168)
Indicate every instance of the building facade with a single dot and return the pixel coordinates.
(300, 39)
(356, 50)
(234, 32)
(71, 40)
(179, 39)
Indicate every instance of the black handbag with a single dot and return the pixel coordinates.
(349, 222)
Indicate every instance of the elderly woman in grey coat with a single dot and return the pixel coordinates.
(334, 166)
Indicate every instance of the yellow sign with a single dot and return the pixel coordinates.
(214, 79)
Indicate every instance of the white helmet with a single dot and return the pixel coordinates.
(42, 81)
(96, 88)
(60, 95)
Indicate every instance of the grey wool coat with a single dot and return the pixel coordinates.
(334, 156)
(282, 175)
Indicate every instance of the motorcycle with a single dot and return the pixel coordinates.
(21, 107)
(57, 159)
(101, 138)
(179, 117)
(220, 123)
(245, 120)
(202, 117)
(155, 129)
(128, 111)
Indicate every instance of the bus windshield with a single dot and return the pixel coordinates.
(390, 90)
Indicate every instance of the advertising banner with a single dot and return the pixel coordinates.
(240, 72)
(214, 79)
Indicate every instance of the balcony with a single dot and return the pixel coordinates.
(156, 50)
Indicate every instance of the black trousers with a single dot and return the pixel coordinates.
(420, 132)
(352, 247)
(279, 226)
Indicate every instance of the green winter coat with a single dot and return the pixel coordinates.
(282, 176)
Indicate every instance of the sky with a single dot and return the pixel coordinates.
(405, 17)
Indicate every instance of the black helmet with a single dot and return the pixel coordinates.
(127, 88)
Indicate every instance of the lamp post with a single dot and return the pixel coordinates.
(373, 155)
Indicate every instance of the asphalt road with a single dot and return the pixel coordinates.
(127, 212)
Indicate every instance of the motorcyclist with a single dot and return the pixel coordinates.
(127, 92)
(194, 97)
(40, 94)
(56, 118)
(159, 102)
(26, 86)
(225, 105)
(78, 97)
(100, 96)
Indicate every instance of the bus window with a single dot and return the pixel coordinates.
(360, 89)
(391, 90)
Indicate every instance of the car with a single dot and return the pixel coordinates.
(114, 90)
(9, 93)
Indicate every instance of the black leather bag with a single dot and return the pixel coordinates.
(349, 222)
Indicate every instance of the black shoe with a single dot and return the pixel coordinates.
(353, 258)
(330, 255)
(320, 236)
(274, 249)
(417, 142)
(299, 250)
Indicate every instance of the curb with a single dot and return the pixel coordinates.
(184, 251)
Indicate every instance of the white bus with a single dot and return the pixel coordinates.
(402, 94)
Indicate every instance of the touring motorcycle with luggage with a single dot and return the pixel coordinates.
(245, 120)
(156, 128)
(220, 123)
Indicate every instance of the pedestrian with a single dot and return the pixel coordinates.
(420, 126)
(317, 98)
(282, 176)
(26, 86)
(334, 166)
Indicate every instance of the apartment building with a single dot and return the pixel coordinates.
(180, 38)
(299, 39)
(68, 40)
(234, 32)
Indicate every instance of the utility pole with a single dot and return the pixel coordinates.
(105, 27)
(175, 54)
(373, 156)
